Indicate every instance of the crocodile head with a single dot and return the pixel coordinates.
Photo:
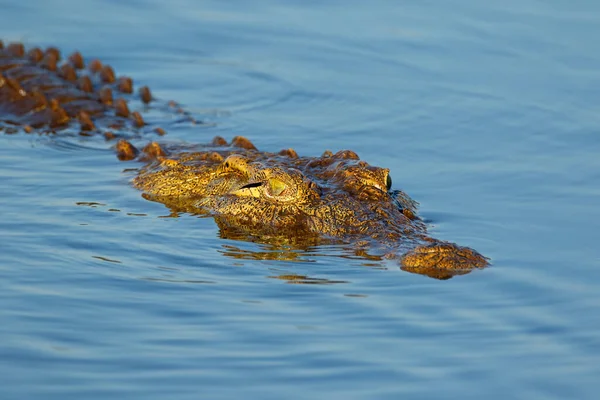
(327, 198)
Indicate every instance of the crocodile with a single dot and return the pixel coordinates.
(278, 197)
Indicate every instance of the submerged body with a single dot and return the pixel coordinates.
(254, 193)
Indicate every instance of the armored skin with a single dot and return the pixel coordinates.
(256, 194)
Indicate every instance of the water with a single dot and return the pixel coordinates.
(486, 114)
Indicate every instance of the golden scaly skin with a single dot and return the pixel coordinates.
(261, 194)
(253, 195)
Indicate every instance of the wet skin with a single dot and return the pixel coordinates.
(332, 196)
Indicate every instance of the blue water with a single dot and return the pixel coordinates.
(487, 114)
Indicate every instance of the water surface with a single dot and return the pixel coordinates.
(486, 114)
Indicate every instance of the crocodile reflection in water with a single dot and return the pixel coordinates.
(258, 195)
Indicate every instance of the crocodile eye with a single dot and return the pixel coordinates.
(276, 186)
(388, 182)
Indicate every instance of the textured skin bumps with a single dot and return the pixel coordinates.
(339, 196)
(40, 90)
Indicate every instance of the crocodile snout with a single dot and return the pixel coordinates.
(442, 260)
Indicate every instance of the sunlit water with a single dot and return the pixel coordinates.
(487, 114)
